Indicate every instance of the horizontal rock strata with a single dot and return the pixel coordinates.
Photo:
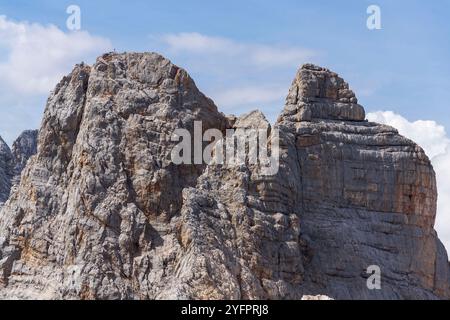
(102, 211)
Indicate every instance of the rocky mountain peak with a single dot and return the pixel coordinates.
(318, 93)
(252, 120)
(102, 212)
(13, 162)
(22, 149)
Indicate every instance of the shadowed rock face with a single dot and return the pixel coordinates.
(23, 148)
(6, 160)
(13, 162)
(102, 212)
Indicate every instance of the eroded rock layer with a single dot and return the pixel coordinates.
(368, 197)
(102, 212)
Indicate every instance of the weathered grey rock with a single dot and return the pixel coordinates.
(252, 120)
(367, 197)
(13, 162)
(96, 212)
(23, 148)
(101, 211)
(6, 162)
(318, 93)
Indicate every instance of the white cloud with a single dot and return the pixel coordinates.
(33, 58)
(255, 54)
(432, 137)
(38, 56)
(441, 165)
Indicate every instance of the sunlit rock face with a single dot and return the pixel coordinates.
(102, 212)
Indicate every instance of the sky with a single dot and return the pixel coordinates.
(244, 55)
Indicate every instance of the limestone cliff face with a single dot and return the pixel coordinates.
(13, 161)
(23, 148)
(368, 196)
(102, 212)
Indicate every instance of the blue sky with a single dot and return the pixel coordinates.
(244, 55)
(403, 67)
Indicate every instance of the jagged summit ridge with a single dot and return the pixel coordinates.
(101, 211)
